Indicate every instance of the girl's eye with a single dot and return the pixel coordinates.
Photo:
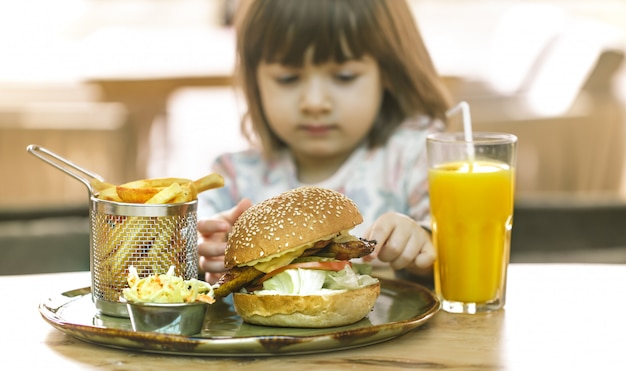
(286, 79)
(345, 76)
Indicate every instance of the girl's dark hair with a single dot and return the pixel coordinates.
(280, 31)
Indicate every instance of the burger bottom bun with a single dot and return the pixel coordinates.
(312, 311)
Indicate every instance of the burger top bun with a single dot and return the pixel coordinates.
(288, 221)
(314, 311)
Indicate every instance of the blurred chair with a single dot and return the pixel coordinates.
(580, 151)
(552, 229)
(50, 240)
(18, 93)
(571, 126)
(201, 123)
(561, 103)
(91, 134)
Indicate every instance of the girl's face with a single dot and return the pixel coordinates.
(324, 111)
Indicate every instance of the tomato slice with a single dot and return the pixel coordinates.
(324, 266)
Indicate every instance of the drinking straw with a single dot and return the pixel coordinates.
(463, 106)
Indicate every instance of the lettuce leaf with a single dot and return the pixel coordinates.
(314, 282)
(347, 279)
(296, 282)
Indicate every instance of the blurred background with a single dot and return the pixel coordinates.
(142, 88)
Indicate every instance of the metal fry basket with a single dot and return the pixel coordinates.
(150, 237)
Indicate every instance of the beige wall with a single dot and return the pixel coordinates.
(459, 33)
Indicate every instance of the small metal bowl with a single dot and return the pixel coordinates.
(179, 318)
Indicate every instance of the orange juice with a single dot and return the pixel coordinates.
(472, 211)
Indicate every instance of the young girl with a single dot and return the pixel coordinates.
(340, 94)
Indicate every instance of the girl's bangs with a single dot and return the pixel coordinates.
(328, 26)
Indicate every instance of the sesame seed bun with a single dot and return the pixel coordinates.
(271, 234)
(288, 222)
(313, 311)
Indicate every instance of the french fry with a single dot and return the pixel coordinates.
(99, 186)
(124, 232)
(155, 182)
(189, 193)
(159, 250)
(210, 181)
(130, 240)
(145, 190)
(109, 194)
(166, 195)
(137, 195)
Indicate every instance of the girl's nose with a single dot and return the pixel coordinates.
(315, 98)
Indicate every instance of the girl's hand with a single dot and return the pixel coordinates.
(403, 243)
(212, 234)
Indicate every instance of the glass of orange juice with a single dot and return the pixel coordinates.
(471, 198)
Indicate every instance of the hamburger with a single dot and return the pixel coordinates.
(290, 262)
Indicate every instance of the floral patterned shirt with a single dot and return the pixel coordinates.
(388, 178)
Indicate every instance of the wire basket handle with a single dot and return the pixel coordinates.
(92, 181)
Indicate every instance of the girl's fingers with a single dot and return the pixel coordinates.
(208, 227)
(426, 256)
(212, 265)
(231, 215)
(394, 248)
(211, 249)
(407, 255)
(212, 277)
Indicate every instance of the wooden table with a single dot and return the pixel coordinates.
(558, 317)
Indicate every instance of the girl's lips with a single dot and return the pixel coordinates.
(317, 129)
